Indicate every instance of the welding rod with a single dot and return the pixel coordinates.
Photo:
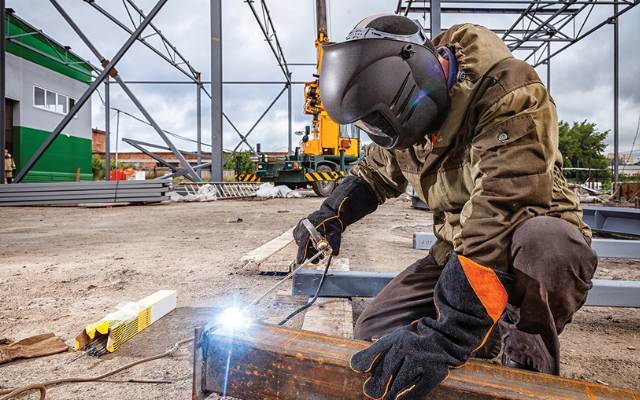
(295, 271)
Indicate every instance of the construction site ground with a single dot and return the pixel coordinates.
(64, 267)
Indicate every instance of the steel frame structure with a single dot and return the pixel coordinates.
(539, 24)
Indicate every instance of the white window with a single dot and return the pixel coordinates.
(52, 101)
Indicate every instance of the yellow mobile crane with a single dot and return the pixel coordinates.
(327, 151)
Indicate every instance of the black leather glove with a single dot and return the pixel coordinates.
(411, 362)
(351, 201)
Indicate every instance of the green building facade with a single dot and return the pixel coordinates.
(44, 79)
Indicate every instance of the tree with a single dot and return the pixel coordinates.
(247, 166)
(582, 145)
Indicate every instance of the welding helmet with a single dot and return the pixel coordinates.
(387, 80)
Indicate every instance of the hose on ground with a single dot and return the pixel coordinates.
(42, 386)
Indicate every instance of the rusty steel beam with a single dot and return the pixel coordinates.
(274, 362)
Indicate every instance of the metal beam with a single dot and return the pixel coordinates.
(369, 284)
(624, 221)
(274, 362)
(107, 131)
(612, 248)
(216, 91)
(87, 94)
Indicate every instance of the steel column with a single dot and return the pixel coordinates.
(216, 91)
(616, 69)
(435, 18)
(549, 68)
(107, 128)
(3, 101)
(87, 94)
(290, 150)
(199, 123)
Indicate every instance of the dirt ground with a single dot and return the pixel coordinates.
(64, 267)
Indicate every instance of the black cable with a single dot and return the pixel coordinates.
(309, 304)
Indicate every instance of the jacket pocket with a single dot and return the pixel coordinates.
(504, 133)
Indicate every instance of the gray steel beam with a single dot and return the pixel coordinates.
(616, 81)
(612, 248)
(625, 221)
(435, 18)
(128, 91)
(3, 104)
(199, 124)
(107, 131)
(195, 154)
(87, 94)
(368, 284)
(216, 91)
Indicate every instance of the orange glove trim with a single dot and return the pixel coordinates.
(369, 369)
(404, 392)
(386, 390)
(487, 287)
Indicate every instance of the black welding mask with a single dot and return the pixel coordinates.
(387, 80)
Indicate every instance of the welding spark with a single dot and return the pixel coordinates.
(233, 318)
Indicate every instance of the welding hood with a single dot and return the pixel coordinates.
(394, 90)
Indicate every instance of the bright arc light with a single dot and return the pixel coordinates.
(233, 318)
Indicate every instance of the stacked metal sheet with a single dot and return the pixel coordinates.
(33, 194)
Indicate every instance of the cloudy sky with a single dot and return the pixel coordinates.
(581, 76)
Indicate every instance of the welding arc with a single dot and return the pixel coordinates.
(43, 390)
(315, 296)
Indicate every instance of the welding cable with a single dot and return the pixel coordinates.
(41, 386)
(313, 300)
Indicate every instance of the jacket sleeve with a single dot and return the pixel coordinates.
(380, 169)
(512, 160)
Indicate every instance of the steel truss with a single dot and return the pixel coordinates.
(537, 25)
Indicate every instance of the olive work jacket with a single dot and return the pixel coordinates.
(494, 162)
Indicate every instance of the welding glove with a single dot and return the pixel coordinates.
(350, 202)
(411, 362)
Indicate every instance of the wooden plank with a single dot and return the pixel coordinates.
(280, 261)
(331, 316)
(260, 254)
(274, 362)
(284, 297)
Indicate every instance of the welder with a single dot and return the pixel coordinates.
(475, 133)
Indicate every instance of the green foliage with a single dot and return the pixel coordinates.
(97, 167)
(582, 145)
(246, 164)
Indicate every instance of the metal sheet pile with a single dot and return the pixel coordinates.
(33, 194)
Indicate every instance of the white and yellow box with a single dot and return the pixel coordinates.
(130, 319)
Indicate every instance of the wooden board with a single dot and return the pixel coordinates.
(331, 316)
(263, 252)
(274, 362)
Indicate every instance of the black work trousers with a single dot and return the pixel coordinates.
(553, 265)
